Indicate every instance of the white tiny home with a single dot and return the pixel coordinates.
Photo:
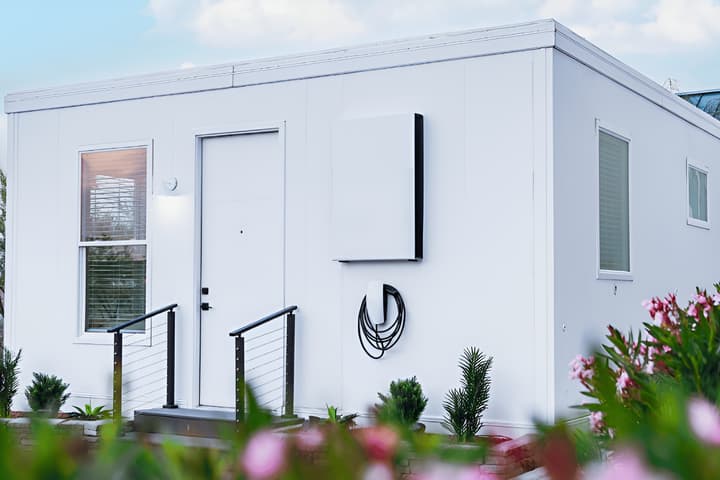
(518, 186)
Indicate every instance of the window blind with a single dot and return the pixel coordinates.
(114, 195)
(113, 210)
(115, 285)
(614, 204)
(697, 193)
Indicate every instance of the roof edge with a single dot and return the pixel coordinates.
(336, 61)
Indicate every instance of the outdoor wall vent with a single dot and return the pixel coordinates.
(377, 188)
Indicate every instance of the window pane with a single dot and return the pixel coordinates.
(614, 204)
(114, 195)
(115, 285)
(697, 194)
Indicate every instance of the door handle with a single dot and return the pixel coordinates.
(205, 306)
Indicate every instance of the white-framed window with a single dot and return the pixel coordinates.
(613, 206)
(113, 236)
(698, 213)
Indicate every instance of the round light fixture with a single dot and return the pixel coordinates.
(171, 184)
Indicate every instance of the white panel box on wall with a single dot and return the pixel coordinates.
(377, 188)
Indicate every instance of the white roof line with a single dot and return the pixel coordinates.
(372, 56)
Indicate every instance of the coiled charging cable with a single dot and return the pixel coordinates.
(377, 338)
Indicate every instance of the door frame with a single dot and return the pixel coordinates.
(201, 134)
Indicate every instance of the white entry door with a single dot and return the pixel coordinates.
(242, 250)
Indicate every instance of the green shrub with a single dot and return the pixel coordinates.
(88, 412)
(405, 403)
(47, 393)
(9, 382)
(464, 406)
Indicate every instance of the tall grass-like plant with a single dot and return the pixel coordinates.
(47, 393)
(9, 382)
(464, 406)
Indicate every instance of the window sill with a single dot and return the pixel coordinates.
(615, 275)
(694, 222)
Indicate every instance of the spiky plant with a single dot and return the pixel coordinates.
(88, 412)
(405, 403)
(464, 406)
(47, 393)
(9, 382)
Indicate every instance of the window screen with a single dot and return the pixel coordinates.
(113, 240)
(614, 204)
(697, 194)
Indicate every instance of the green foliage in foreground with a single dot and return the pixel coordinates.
(346, 453)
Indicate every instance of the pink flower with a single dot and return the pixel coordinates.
(264, 456)
(623, 465)
(650, 367)
(623, 382)
(378, 471)
(380, 442)
(310, 439)
(716, 299)
(704, 420)
(581, 368)
(596, 422)
(700, 298)
(692, 311)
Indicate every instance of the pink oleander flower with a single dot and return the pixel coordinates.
(597, 423)
(264, 456)
(623, 465)
(623, 382)
(581, 368)
(716, 299)
(380, 442)
(692, 311)
(310, 439)
(700, 298)
(378, 471)
(650, 367)
(704, 420)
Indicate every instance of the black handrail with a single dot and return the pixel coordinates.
(289, 406)
(118, 353)
(125, 325)
(263, 320)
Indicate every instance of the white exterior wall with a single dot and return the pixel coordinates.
(666, 254)
(484, 280)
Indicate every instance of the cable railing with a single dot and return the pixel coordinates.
(268, 363)
(147, 365)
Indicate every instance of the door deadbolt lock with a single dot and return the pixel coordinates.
(205, 306)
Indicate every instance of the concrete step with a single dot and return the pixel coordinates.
(194, 422)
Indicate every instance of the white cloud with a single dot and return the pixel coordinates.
(237, 22)
(657, 26)
(619, 26)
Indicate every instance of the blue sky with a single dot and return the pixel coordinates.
(46, 43)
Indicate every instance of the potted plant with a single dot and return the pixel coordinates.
(465, 406)
(403, 405)
(46, 394)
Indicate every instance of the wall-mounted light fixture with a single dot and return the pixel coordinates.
(171, 184)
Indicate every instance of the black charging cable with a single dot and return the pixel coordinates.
(381, 339)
